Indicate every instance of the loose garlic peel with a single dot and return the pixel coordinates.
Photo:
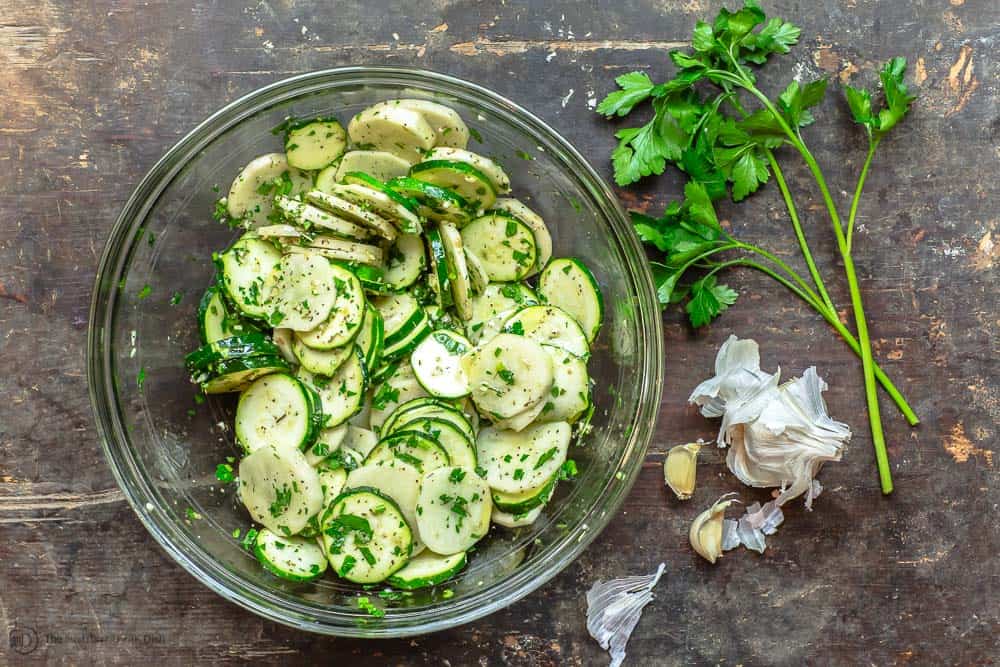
(706, 530)
(680, 469)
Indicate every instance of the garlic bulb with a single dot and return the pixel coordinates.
(706, 530)
(680, 469)
(737, 378)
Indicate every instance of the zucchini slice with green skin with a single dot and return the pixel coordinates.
(569, 397)
(292, 558)
(365, 536)
(441, 269)
(326, 444)
(279, 488)
(215, 321)
(332, 481)
(400, 313)
(302, 296)
(398, 388)
(549, 325)
(387, 203)
(397, 480)
(380, 164)
(508, 520)
(238, 374)
(568, 283)
(494, 173)
(518, 462)
(277, 410)
(461, 283)
(460, 449)
(463, 179)
(251, 344)
(351, 211)
(315, 144)
(448, 126)
(403, 346)
(251, 193)
(428, 569)
(311, 217)
(478, 278)
(494, 306)
(321, 362)
(508, 375)
(371, 337)
(453, 509)
(425, 407)
(543, 239)
(435, 203)
(504, 245)
(245, 267)
(437, 363)
(346, 315)
(340, 250)
(343, 394)
(526, 501)
(388, 126)
(362, 178)
(406, 262)
(412, 448)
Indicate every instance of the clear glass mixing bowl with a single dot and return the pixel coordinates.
(164, 448)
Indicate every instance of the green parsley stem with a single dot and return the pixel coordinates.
(872, 145)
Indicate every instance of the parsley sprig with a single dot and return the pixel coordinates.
(703, 124)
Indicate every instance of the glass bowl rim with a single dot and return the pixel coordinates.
(133, 481)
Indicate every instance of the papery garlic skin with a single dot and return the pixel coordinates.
(680, 469)
(614, 608)
(786, 444)
(737, 378)
(706, 530)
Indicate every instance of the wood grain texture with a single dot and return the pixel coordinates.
(94, 92)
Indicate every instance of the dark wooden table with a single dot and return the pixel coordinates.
(94, 92)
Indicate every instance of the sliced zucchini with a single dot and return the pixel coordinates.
(385, 202)
(508, 520)
(245, 267)
(551, 326)
(360, 440)
(371, 337)
(494, 305)
(569, 284)
(494, 173)
(453, 509)
(448, 126)
(434, 203)
(441, 269)
(315, 144)
(397, 480)
(215, 321)
(302, 296)
(332, 481)
(437, 363)
(366, 179)
(455, 442)
(463, 179)
(400, 313)
(251, 344)
(380, 164)
(282, 233)
(504, 245)
(525, 501)
(250, 195)
(543, 239)
(569, 397)
(342, 394)
(428, 569)
(410, 447)
(518, 462)
(478, 278)
(400, 387)
(351, 211)
(279, 488)
(292, 558)
(508, 374)
(277, 410)
(238, 374)
(461, 283)
(424, 407)
(321, 362)
(311, 217)
(341, 251)
(326, 445)
(283, 340)
(523, 419)
(406, 262)
(365, 536)
(403, 346)
(346, 316)
(388, 126)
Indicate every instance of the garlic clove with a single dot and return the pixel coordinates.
(680, 469)
(706, 530)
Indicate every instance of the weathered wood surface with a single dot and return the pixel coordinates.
(94, 92)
